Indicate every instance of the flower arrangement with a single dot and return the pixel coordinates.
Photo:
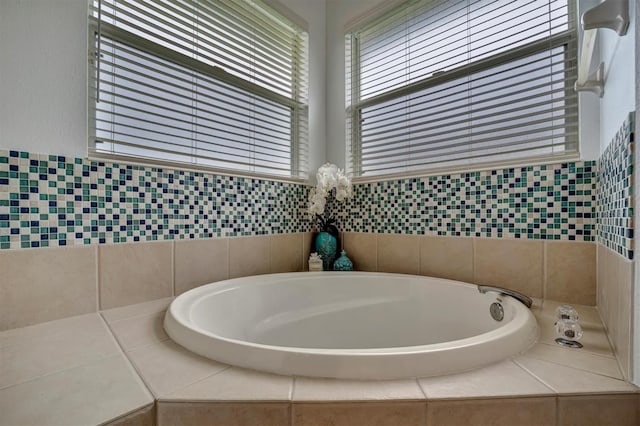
(332, 184)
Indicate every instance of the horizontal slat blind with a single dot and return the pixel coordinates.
(457, 83)
(219, 84)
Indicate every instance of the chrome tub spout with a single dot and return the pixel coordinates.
(525, 300)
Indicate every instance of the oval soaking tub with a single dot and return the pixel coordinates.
(355, 325)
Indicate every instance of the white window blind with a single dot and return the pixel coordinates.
(455, 84)
(220, 84)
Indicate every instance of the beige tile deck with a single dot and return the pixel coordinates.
(566, 380)
(166, 367)
(83, 340)
(88, 394)
(237, 384)
(498, 380)
(101, 385)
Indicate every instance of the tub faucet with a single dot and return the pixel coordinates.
(526, 300)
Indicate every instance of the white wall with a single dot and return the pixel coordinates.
(43, 76)
(313, 13)
(339, 14)
(618, 101)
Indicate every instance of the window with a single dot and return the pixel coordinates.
(220, 84)
(454, 84)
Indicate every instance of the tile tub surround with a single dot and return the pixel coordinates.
(546, 385)
(615, 241)
(615, 284)
(557, 270)
(45, 284)
(615, 192)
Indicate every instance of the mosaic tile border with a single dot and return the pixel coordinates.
(547, 202)
(48, 200)
(615, 192)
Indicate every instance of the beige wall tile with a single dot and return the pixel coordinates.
(362, 250)
(614, 285)
(223, 414)
(514, 264)
(399, 253)
(600, 410)
(447, 257)
(620, 332)
(138, 309)
(571, 272)
(134, 273)
(286, 252)
(606, 282)
(307, 247)
(601, 273)
(249, 256)
(538, 411)
(144, 417)
(38, 285)
(200, 262)
(363, 413)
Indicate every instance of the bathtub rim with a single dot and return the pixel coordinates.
(295, 361)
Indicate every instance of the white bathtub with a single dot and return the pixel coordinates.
(349, 325)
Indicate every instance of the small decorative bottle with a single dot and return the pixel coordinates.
(343, 263)
(315, 262)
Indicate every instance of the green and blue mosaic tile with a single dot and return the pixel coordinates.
(615, 192)
(547, 202)
(48, 200)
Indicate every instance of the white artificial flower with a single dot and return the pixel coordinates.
(317, 202)
(316, 209)
(329, 177)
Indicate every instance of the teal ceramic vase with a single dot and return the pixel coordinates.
(343, 263)
(326, 246)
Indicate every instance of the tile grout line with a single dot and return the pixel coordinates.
(536, 377)
(173, 268)
(164, 398)
(422, 389)
(61, 370)
(545, 269)
(100, 358)
(97, 259)
(124, 354)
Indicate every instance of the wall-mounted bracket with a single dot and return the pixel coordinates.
(594, 82)
(612, 14)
